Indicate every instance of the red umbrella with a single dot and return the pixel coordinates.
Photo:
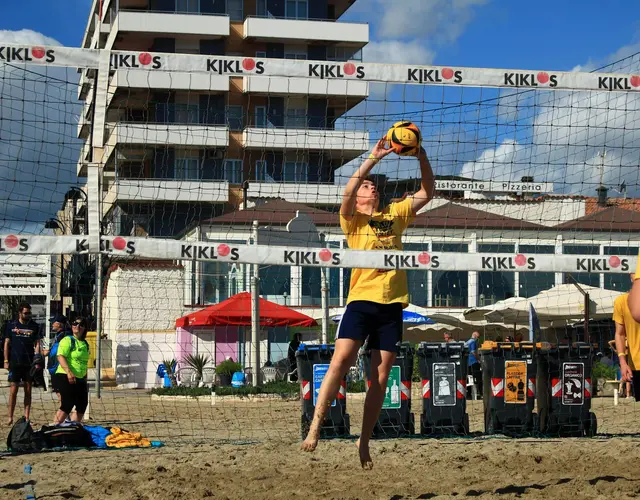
(236, 311)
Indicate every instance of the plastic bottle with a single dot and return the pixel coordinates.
(29, 489)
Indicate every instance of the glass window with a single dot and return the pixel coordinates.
(297, 9)
(220, 280)
(295, 172)
(235, 10)
(494, 286)
(235, 117)
(188, 6)
(589, 279)
(343, 54)
(450, 288)
(532, 283)
(311, 286)
(295, 118)
(186, 113)
(417, 280)
(333, 276)
(275, 280)
(261, 54)
(260, 118)
(187, 168)
(261, 10)
(233, 171)
(261, 170)
(619, 282)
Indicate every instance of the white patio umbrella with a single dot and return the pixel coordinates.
(479, 313)
(558, 304)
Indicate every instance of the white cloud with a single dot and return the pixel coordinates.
(398, 52)
(38, 139)
(440, 21)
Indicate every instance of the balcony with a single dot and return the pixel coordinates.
(174, 190)
(170, 134)
(305, 86)
(271, 29)
(306, 194)
(168, 23)
(168, 80)
(341, 142)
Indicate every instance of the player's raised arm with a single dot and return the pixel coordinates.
(427, 183)
(347, 208)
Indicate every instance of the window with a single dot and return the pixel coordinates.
(296, 114)
(233, 171)
(235, 10)
(450, 288)
(275, 281)
(297, 9)
(261, 117)
(188, 168)
(311, 286)
(295, 172)
(235, 117)
(188, 6)
(533, 283)
(589, 279)
(261, 54)
(261, 10)
(619, 282)
(186, 113)
(494, 286)
(261, 170)
(295, 52)
(343, 54)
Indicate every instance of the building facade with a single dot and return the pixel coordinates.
(180, 145)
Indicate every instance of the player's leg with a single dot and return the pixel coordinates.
(27, 399)
(13, 396)
(349, 337)
(383, 354)
(381, 363)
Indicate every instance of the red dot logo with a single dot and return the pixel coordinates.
(447, 73)
(144, 58)
(325, 255)
(224, 250)
(119, 243)
(614, 261)
(248, 64)
(37, 52)
(635, 81)
(543, 77)
(520, 260)
(424, 258)
(11, 241)
(349, 69)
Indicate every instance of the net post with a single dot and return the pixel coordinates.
(255, 315)
(98, 322)
(325, 305)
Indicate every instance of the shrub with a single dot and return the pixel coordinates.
(600, 370)
(228, 367)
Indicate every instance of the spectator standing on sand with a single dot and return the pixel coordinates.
(291, 356)
(71, 375)
(21, 344)
(475, 369)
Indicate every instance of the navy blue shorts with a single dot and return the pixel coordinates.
(380, 323)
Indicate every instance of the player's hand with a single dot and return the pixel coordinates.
(626, 374)
(380, 150)
(420, 153)
(71, 378)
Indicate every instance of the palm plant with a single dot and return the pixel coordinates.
(198, 363)
(170, 368)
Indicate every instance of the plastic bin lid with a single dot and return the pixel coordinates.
(490, 345)
(316, 347)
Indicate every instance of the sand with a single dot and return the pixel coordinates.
(251, 450)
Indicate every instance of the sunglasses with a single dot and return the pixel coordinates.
(78, 324)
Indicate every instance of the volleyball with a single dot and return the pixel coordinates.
(405, 138)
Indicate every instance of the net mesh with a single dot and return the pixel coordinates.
(201, 176)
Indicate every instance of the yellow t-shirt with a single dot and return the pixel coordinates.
(380, 231)
(622, 316)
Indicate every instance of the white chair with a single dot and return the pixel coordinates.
(248, 375)
(269, 373)
(186, 377)
(208, 376)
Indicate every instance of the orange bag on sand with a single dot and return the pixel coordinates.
(124, 439)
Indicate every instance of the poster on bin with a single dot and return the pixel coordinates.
(319, 371)
(515, 382)
(444, 384)
(392, 394)
(572, 384)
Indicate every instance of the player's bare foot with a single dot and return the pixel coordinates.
(365, 456)
(311, 442)
(9, 421)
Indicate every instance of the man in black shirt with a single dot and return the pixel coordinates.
(22, 342)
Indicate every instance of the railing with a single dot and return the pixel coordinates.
(148, 10)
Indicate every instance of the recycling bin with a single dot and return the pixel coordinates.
(443, 370)
(313, 363)
(395, 418)
(565, 391)
(509, 376)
